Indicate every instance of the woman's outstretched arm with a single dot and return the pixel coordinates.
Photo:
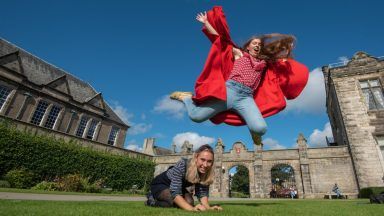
(202, 17)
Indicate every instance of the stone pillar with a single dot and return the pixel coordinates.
(257, 190)
(174, 148)
(22, 107)
(148, 145)
(73, 113)
(304, 167)
(217, 189)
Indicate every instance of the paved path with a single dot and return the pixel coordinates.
(59, 197)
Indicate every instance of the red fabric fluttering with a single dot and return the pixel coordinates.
(282, 79)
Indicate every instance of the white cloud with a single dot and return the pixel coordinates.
(171, 107)
(134, 148)
(132, 145)
(312, 99)
(122, 112)
(136, 128)
(317, 138)
(159, 135)
(272, 144)
(193, 138)
(139, 128)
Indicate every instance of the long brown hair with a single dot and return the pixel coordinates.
(274, 46)
(193, 175)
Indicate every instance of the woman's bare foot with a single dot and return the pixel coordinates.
(178, 95)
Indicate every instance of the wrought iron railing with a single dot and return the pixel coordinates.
(343, 63)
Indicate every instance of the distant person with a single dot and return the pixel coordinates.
(273, 193)
(336, 190)
(176, 186)
(292, 192)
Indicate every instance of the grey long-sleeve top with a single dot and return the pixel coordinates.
(177, 176)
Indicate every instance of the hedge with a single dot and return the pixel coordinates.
(48, 158)
(367, 192)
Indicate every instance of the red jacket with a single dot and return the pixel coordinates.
(281, 79)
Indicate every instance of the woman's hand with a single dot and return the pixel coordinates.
(217, 208)
(237, 53)
(199, 207)
(202, 17)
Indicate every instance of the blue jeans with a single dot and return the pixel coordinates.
(239, 99)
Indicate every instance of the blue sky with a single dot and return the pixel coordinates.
(138, 52)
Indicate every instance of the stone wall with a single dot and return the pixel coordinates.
(315, 169)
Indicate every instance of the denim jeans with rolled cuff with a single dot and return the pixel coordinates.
(239, 99)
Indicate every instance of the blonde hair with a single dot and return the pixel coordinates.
(193, 175)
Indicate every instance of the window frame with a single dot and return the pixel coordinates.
(36, 110)
(56, 118)
(113, 142)
(376, 103)
(88, 136)
(80, 125)
(3, 105)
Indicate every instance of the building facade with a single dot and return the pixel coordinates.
(355, 106)
(43, 99)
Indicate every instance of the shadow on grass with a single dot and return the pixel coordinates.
(246, 204)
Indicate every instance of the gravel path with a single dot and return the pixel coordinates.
(57, 197)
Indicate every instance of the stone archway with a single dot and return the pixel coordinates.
(239, 182)
(282, 180)
(237, 156)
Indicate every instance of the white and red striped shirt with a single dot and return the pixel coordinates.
(247, 71)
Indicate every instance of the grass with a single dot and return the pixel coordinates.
(231, 208)
(114, 193)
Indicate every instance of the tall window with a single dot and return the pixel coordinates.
(380, 141)
(82, 125)
(113, 135)
(39, 112)
(4, 92)
(92, 128)
(373, 93)
(52, 117)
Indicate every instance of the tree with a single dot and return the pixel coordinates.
(281, 173)
(240, 180)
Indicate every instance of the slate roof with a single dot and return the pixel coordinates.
(162, 151)
(41, 72)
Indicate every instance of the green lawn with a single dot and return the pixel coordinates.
(241, 208)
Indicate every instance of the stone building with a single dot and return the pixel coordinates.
(43, 99)
(354, 160)
(355, 106)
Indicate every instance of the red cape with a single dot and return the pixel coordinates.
(281, 80)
